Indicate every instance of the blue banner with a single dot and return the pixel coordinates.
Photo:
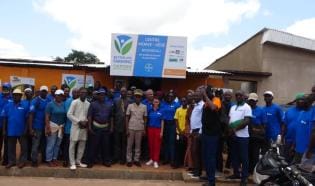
(150, 56)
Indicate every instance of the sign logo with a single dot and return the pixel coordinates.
(70, 81)
(123, 44)
(148, 67)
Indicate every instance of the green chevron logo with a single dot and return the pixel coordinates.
(123, 44)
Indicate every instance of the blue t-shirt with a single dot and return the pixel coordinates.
(290, 120)
(258, 117)
(16, 115)
(304, 126)
(38, 106)
(68, 122)
(109, 100)
(169, 110)
(155, 118)
(3, 102)
(274, 118)
(148, 104)
(116, 94)
(50, 97)
(57, 112)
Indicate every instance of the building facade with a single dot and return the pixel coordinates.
(50, 73)
(270, 60)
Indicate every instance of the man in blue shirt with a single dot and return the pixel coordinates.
(100, 122)
(304, 128)
(51, 96)
(5, 97)
(28, 96)
(169, 137)
(289, 127)
(257, 140)
(15, 124)
(37, 124)
(148, 101)
(274, 117)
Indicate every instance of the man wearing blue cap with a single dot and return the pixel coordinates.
(5, 97)
(100, 124)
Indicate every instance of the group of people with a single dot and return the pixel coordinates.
(123, 126)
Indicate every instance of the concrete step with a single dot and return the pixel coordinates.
(114, 172)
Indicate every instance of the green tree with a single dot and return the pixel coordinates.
(81, 57)
(59, 59)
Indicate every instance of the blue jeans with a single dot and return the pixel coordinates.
(52, 146)
(240, 156)
(209, 151)
(169, 137)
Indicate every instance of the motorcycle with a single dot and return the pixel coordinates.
(272, 169)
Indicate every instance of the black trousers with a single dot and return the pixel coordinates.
(120, 146)
(100, 140)
(180, 149)
(5, 151)
(12, 140)
(65, 148)
(256, 145)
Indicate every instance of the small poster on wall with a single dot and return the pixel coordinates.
(76, 80)
(22, 82)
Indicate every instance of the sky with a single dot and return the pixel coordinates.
(44, 29)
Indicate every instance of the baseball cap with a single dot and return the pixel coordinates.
(6, 85)
(44, 87)
(28, 89)
(138, 92)
(17, 91)
(268, 93)
(101, 90)
(253, 96)
(299, 95)
(59, 92)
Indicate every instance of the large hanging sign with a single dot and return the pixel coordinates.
(148, 56)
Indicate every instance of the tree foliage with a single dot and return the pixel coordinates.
(81, 57)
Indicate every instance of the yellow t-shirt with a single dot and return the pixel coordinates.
(180, 115)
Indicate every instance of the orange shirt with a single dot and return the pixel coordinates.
(216, 101)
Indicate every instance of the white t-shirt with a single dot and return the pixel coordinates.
(239, 112)
(195, 118)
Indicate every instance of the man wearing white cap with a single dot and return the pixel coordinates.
(28, 96)
(274, 117)
(37, 124)
(15, 127)
(257, 140)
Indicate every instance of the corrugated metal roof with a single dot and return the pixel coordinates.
(27, 62)
(210, 72)
(284, 38)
